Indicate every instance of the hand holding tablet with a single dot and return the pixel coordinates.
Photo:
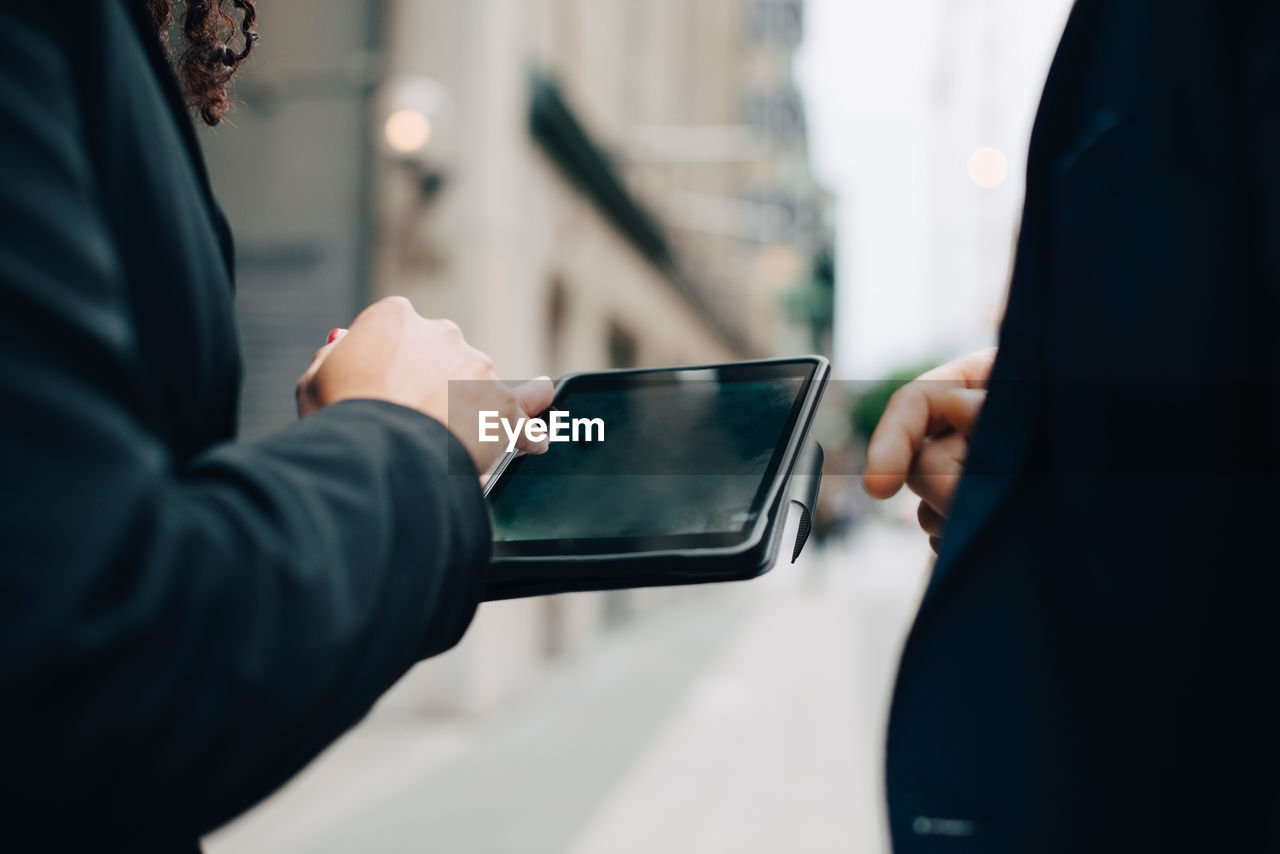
(653, 477)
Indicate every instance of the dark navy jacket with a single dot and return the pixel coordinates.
(1094, 666)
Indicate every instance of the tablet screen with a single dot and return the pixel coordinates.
(662, 459)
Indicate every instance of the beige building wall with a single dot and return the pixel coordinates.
(666, 84)
(534, 274)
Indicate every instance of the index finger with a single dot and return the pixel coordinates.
(534, 397)
(915, 412)
(911, 416)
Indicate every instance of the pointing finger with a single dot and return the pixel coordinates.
(915, 412)
(535, 395)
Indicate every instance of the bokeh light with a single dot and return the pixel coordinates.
(988, 167)
(408, 131)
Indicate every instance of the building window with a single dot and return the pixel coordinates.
(557, 325)
(623, 347)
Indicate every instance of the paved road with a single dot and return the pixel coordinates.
(746, 720)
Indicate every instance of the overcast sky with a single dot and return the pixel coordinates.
(900, 95)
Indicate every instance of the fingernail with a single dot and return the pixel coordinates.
(971, 396)
(335, 334)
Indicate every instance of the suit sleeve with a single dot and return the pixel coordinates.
(178, 639)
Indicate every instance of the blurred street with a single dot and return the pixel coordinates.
(745, 719)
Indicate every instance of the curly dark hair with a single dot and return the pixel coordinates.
(207, 60)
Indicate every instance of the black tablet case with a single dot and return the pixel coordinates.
(514, 578)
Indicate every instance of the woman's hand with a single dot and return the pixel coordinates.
(393, 353)
(922, 439)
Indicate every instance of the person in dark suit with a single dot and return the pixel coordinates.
(186, 620)
(1092, 666)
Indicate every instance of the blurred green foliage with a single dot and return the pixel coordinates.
(812, 300)
(869, 403)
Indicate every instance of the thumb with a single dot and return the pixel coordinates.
(961, 407)
(303, 392)
(335, 336)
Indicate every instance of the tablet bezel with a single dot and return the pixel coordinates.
(812, 370)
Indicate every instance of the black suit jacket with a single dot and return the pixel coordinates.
(184, 620)
(1093, 667)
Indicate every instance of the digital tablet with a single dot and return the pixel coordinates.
(653, 477)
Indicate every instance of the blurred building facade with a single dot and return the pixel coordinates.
(580, 184)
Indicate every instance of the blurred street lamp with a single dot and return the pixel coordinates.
(408, 131)
(413, 117)
(988, 167)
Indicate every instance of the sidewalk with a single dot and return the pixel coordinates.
(747, 720)
(777, 747)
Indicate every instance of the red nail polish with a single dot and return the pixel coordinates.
(333, 335)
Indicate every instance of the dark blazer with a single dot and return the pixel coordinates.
(1093, 666)
(184, 620)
